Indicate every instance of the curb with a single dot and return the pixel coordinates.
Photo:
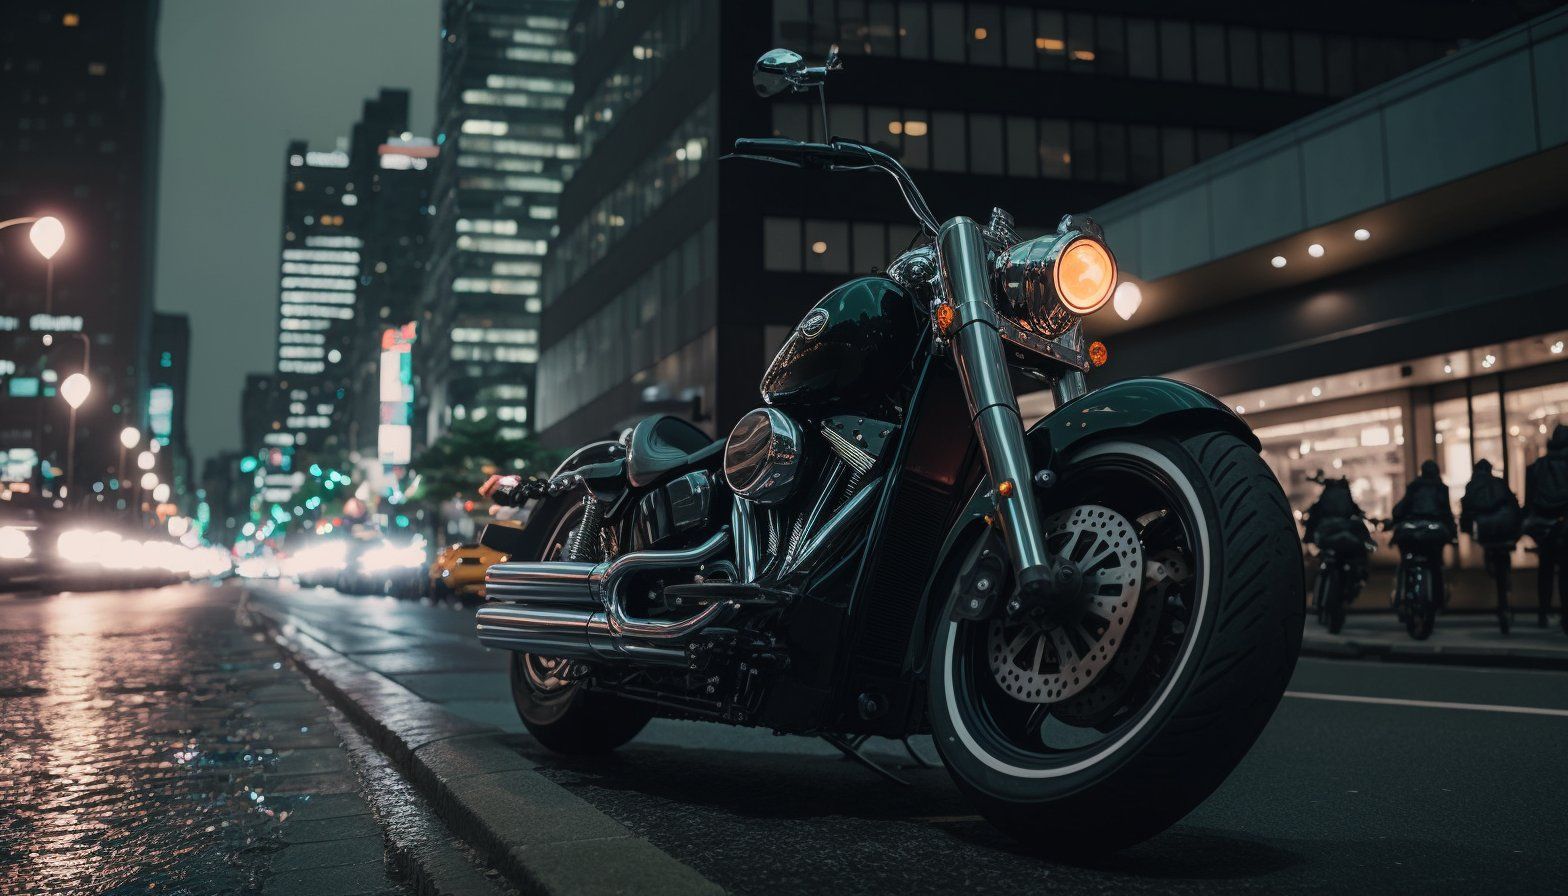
(1441, 655)
(541, 837)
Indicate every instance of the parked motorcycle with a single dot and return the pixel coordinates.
(1094, 617)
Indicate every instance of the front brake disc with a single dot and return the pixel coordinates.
(1040, 662)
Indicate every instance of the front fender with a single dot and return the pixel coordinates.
(1129, 404)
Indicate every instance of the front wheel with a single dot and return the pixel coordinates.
(1094, 734)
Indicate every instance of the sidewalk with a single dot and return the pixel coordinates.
(1468, 639)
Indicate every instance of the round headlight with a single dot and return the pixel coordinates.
(1085, 274)
(1057, 278)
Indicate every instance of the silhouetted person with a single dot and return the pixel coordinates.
(1546, 506)
(1490, 513)
(1333, 507)
(1426, 499)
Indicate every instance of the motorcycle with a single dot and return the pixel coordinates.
(1093, 617)
(1417, 595)
(1343, 545)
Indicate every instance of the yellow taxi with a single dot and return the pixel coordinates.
(459, 569)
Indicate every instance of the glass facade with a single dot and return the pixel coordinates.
(1497, 403)
(505, 154)
(1166, 49)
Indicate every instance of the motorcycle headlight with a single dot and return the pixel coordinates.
(1057, 278)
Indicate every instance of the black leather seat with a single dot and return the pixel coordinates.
(662, 443)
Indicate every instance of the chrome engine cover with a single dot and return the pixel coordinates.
(762, 456)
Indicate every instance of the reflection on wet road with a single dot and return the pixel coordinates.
(150, 743)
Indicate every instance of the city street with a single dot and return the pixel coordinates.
(157, 740)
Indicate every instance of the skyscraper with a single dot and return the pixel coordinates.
(79, 129)
(501, 128)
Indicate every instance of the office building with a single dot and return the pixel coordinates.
(79, 129)
(673, 277)
(168, 377)
(505, 152)
(1377, 284)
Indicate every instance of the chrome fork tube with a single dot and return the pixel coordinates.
(982, 370)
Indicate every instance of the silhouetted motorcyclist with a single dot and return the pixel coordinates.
(1426, 499)
(1546, 508)
(1490, 513)
(1333, 507)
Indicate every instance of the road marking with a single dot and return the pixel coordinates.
(1430, 704)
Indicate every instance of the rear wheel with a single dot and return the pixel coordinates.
(1096, 734)
(1334, 597)
(1421, 604)
(553, 701)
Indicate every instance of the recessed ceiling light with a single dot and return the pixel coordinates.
(1278, 261)
(1317, 392)
(1489, 360)
(1363, 234)
(1448, 368)
(1315, 250)
(1557, 347)
(1240, 409)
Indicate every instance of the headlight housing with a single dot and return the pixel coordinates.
(1053, 280)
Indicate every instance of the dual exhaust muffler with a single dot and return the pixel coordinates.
(577, 610)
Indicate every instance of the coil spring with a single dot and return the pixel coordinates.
(584, 539)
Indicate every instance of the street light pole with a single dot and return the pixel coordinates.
(47, 236)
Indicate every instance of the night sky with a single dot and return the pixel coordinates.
(241, 79)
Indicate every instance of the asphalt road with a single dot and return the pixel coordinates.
(1372, 777)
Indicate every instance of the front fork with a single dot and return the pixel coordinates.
(1043, 580)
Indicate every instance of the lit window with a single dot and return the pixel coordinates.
(70, 20)
(97, 68)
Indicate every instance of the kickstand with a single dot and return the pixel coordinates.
(910, 749)
(852, 751)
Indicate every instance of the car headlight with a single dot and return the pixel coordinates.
(1055, 279)
(15, 544)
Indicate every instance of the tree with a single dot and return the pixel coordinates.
(457, 462)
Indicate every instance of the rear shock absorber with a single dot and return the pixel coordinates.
(583, 543)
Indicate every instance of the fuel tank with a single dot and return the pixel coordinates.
(852, 348)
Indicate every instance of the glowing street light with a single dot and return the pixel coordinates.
(149, 481)
(48, 235)
(146, 461)
(129, 436)
(75, 389)
(160, 492)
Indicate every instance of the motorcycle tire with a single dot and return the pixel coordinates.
(1202, 709)
(1334, 601)
(560, 712)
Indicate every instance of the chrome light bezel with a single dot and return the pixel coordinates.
(1026, 281)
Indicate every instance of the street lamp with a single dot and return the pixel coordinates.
(160, 492)
(149, 481)
(146, 461)
(129, 436)
(74, 390)
(48, 236)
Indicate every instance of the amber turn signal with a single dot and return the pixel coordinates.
(1098, 353)
(944, 317)
(1085, 275)
(1005, 489)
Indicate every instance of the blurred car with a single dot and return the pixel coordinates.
(382, 565)
(317, 563)
(459, 570)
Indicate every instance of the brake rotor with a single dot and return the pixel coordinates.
(1041, 662)
(1098, 703)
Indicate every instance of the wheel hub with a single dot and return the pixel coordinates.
(1039, 660)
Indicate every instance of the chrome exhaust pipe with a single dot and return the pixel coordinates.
(576, 610)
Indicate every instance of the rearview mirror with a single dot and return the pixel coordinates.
(777, 71)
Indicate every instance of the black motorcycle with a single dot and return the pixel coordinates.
(1343, 547)
(1418, 588)
(1094, 617)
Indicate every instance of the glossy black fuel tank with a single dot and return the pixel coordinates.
(852, 348)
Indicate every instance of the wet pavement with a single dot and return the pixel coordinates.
(150, 742)
(1373, 778)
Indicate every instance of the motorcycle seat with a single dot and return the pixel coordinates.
(664, 443)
